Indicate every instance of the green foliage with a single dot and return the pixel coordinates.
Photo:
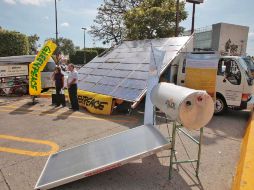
(153, 19)
(13, 43)
(78, 57)
(32, 40)
(109, 25)
(99, 50)
(65, 46)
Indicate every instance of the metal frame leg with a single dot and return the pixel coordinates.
(172, 161)
(199, 150)
(172, 150)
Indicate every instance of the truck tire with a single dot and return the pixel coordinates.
(220, 105)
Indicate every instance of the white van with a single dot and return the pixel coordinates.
(14, 71)
(234, 86)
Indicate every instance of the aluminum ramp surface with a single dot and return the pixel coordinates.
(101, 155)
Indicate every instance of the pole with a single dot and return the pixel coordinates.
(177, 18)
(172, 150)
(56, 23)
(193, 17)
(84, 45)
(199, 150)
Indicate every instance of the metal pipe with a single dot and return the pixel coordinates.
(172, 150)
(84, 45)
(192, 138)
(56, 23)
(193, 18)
(185, 161)
(177, 18)
(199, 151)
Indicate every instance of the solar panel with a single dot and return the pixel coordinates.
(92, 78)
(122, 72)
(86, 85)
(100, 72)
(85, 70)
(139, 75)
(118, 73)
(111, 81)
(102, 89)
(134, 83)
(129, 94)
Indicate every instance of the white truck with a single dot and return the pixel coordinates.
(234, 83)
(14, 74)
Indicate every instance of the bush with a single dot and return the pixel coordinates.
(98, 49)
(78, 57)
(13, 43)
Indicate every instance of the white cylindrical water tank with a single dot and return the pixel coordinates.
(192, 108)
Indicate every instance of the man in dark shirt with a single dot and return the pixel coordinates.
(58, 77)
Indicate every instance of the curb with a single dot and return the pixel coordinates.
(244, 178)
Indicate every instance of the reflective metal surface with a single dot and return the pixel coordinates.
(101, 155)
(124, 70)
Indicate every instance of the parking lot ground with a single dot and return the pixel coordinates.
(28, 133)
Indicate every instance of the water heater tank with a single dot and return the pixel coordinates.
(192, 108)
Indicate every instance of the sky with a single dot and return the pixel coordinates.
(38, 17)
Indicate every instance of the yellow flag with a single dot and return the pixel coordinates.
(38, 65)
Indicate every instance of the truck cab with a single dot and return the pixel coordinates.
(234, 83)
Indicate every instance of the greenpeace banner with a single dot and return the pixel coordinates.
(38, 65)
(201, 72)
(95, 103)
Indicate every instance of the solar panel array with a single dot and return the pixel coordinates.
(122, 72)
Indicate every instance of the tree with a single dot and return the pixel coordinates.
(32, 40)
(65, 46)
(109, 23)
(13, 43)
(153, 19)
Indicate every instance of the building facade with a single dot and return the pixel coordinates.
(227, 39)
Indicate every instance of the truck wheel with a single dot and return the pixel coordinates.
(220, 105)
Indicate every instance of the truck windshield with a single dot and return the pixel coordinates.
(249, 63)
(247, 70)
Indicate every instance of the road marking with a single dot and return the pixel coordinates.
(116, 118)
(54, 146)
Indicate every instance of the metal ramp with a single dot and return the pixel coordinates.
(101, 155)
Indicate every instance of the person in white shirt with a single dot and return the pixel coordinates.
(72, 82)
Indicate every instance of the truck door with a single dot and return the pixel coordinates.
(229, 81)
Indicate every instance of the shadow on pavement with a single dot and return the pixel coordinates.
(63, 115)
(50, 111)
(23, 109)
(233, 126)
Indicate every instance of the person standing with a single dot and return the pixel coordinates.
(72, 82)
(58, 77)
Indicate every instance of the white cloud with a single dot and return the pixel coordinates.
(11, 2)
(46, 18)
(82, 12)
(34, 2)
(65, 24)
(251, 34)
(28, 2)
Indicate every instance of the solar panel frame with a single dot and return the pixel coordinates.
(122, 72)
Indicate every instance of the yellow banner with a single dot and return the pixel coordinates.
(202, 79)
(38, 65)
(95, 103)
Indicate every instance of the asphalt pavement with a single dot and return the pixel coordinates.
(29, 133)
